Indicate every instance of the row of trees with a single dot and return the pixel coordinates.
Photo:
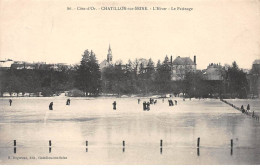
(132, 78)
(135, 78)
(150, 80)
(48, 82)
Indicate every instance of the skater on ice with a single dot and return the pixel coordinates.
(144, 106)
(68, 102)
(51, 106)
(114, 105)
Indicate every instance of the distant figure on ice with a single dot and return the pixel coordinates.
(183, 99)
(248, 107)
(138, 101)
(175, 102)
(10, 101)
(148, 106)
(68, 102)
(170, 102)
(242, 108)
(151, 101)
(144, 105)
(51, 106)
(114, 105)
(155, 101)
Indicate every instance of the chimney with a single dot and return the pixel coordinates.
(171, 59)
(195, 60)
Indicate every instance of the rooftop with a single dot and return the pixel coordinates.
(183, 61)
(256, 61)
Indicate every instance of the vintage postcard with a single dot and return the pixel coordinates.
(121, 82)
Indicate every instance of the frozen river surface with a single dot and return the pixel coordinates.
(32, 125)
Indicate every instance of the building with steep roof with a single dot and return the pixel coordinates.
(183, 61)
(181, 65)
(214, 72)
(256, 62)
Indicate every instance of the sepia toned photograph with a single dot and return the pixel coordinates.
(122, 82)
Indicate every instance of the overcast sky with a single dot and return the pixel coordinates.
(215, 31)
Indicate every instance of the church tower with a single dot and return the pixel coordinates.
(109, 55)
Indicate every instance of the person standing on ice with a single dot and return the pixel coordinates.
(144, 105)
(138, 101)
(114, 105)
(10, 101)
(175, 102)
(242, 109)
(68, 102)
(51, 106)
(248, 107)
(148, 106)
(171, 103)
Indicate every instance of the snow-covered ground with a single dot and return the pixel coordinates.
(32, 125)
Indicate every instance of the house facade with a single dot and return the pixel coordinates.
(182, 65)
(214, 72)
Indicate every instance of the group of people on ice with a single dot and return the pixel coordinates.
(243, 109)
(246, 110)
(146, 105)
(51, 104)
(171, 102)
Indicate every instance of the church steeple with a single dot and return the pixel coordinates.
(109, 55)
